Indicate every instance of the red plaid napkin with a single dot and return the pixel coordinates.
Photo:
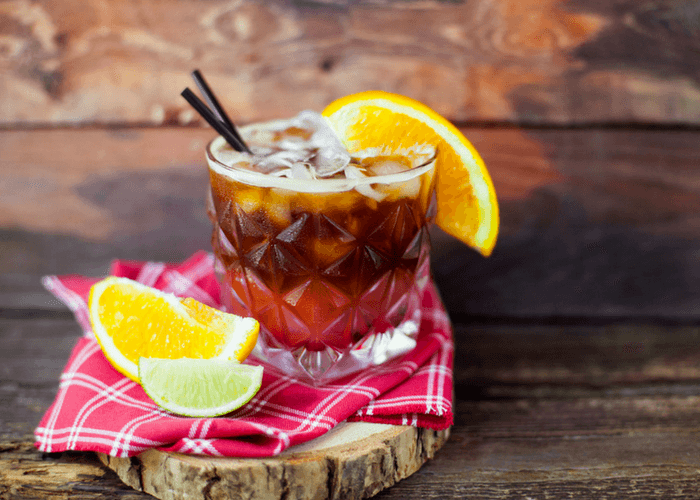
(98, 409)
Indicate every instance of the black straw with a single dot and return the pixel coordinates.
(209, 116)
(215, 106)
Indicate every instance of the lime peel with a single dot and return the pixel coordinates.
(199, 387)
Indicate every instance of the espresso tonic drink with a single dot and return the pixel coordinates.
(328, 250)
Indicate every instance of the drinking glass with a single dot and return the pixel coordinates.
(333, 269)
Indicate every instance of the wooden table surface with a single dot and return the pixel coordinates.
(577, 369)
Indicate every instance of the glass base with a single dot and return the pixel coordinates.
(320, 367)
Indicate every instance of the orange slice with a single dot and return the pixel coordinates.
(466, 201)
(131, 320)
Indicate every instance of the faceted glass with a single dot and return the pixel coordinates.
(334, 278)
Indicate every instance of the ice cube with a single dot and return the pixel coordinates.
(277, 207)
(249, 200)
(301, 171)
(228, 156)
(407, 189)
(292, 143)
(281, 159)
(331, 155)
(386, 167)
(260, 137)
(398, 189)
(328, 162)
(352, 172)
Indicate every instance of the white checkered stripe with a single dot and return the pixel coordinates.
(98, 409)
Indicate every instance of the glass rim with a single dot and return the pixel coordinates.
(259, 179)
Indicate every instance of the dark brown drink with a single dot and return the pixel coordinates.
(328, 266)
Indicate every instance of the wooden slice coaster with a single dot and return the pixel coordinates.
(352, 461)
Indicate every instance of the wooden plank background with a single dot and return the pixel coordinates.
(585, 113)
(544, 412)
(519, 61)
(577, 343)
(595, 222)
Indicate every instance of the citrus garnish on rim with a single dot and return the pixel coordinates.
(131, 320)
(466, 200)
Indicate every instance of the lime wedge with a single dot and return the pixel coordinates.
(199, 387)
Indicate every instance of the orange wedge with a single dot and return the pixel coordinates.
(466, 201)
(131, 320)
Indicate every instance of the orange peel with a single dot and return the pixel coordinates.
(466, 200)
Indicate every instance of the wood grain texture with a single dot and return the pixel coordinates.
(354, 470)
(594, 223)
(492, 363)
(641, 462)
(32, 356)
(541, 411)
(553, 61)
(28, 474)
